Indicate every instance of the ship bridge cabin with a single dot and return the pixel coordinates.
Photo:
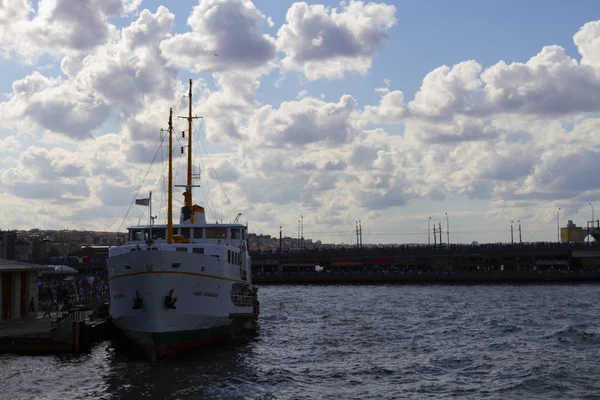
(228, 242)
(213, 234)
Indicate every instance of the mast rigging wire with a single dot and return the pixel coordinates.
(141, 184)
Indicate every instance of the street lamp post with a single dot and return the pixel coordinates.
(302, 232)
(511, 232)
(593, 227)
(447, 230)
(428, 230)
(360, 232)
(558, 225)
(520, 238)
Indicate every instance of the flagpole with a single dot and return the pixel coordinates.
(170, 198)
(150, 214)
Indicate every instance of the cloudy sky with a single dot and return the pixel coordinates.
(390, 113)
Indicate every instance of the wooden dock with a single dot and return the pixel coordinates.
(71, 331)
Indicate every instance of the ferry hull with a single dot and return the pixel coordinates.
(157, 345)
(204, 311)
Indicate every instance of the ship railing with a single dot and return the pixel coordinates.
(242, 301)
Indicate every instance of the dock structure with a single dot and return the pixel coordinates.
(18, 287)
(26, 328)
(68, 331)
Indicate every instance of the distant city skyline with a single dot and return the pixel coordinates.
(472, 113)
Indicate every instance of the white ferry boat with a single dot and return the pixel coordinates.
(178, 286)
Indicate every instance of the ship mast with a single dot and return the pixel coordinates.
(188, 198)
(190, 118)
(170, 201)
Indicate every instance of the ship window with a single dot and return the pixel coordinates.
(160, 233)
(235, 233)
(185, 232)
(175, 265)
(127, 267)
(216, 233)
(243, 234)
(235, 255)
(181, 249)
(136, 235)
(198, 250)
(198, 233)
(229, 256)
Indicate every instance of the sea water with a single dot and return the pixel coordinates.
(359, 342)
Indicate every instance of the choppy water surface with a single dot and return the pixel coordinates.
(360, 342)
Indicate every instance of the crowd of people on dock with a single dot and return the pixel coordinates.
(57, 292)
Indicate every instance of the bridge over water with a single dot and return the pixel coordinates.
(453, 256)
(491, 263)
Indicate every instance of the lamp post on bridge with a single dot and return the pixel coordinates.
(447, 230)
(593, 228)
(512, 241)
(302, 232)
(558, 225)
(428, 231)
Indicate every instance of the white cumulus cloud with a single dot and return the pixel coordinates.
(225, 36)
(58, 26)
(326, 43)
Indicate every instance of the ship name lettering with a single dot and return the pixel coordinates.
(118, 296)
(198, 293)
(211, 294)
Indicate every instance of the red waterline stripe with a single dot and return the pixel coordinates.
(181, 273)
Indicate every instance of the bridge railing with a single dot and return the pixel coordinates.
(414, 249)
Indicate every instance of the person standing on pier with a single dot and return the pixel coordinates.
(32, 306)
(47, 309)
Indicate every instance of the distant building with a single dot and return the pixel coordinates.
(22, 250)
(571, 233)
(7, 245)
(38, 248)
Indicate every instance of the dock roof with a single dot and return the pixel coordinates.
(18, 266)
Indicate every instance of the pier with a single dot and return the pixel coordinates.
(70, 331)
(33, 323)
